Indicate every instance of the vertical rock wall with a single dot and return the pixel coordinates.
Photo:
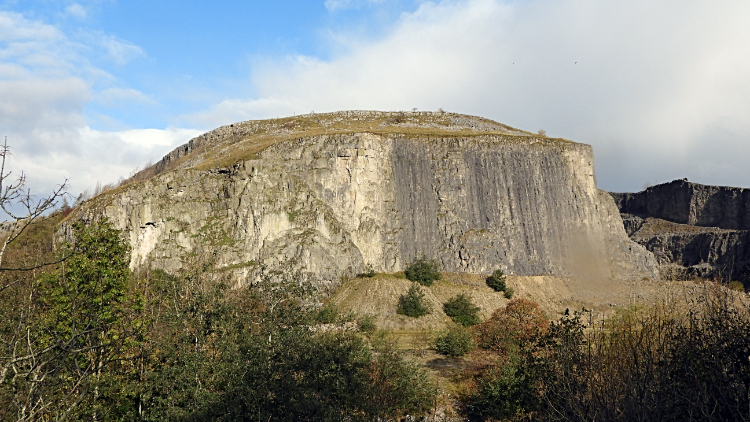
(684, 202)
(327, 205)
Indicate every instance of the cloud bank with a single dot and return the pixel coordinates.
(658, 88)
(46, 83)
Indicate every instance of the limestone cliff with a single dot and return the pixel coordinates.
(327, 194)
(694, 230)
(695, 204)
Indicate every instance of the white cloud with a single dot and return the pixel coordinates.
(45, 84)
(119, 51)
(15, 27)
(76, 10)
(658, 88)
(334, 5)
(85, 156)
(114, 96)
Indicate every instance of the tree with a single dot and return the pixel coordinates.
(84, 324)
(497, 283)
(462, 310)
(516, 323)
(423, 271)
(21, 206)
(413, 303)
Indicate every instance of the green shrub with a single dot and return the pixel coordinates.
(366, 324)
(503, 392)
(497, 281)
(423, 271)
(508, 292)
(737, 286)
(369, 271)
(461, 310)
(328, 314)
(454, 342)
(413, 303)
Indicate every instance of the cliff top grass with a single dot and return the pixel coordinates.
(227, 145)
(230, 144)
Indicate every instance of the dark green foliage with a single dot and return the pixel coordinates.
(462, 310)
(84, 328)
(508, 293)
(423, 271)
(366, 324)
(413, 303)
(328, 314)
(251, 353)
(497, 281)
(454, 342)
(503, 392)
(398, 387)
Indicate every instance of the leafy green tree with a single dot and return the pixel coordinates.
(497, 281)
(423, 271)
(85, 325)
(413, 303)
(244, 354)
(462, 310)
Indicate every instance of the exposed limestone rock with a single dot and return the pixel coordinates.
(326, 195)
(684, 202)
(693, 230)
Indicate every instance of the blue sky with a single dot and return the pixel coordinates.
(94, 89)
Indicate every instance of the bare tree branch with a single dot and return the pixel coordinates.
(20, 205)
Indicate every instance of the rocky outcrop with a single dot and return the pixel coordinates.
(684, 202)
(381, 190)
(693, 230)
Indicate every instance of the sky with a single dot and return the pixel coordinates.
(91, 90)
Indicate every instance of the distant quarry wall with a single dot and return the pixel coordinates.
(327, 205)
(694, 230)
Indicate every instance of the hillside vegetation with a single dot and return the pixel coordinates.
(86, 339)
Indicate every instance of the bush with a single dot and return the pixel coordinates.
(461, 310)
(423, 271)
(508, 327)
(502, 392)
(508, 293)
(737, 286)
(454, 342)
(328, 314)
(413, 303)
(366, 324)
(497, 281)
(369, 271)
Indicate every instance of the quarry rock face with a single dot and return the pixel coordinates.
(325, 195)
(693, 230)
(684, 202)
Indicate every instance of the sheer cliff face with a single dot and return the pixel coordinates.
(327, 205)
(693, 230)
(684, 202)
